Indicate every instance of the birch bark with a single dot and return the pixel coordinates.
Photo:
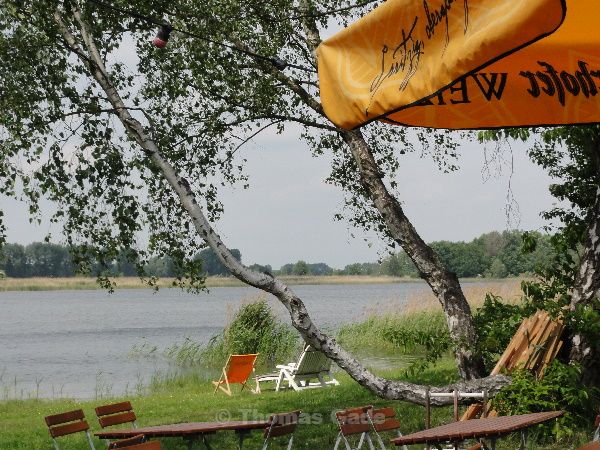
(389, 389)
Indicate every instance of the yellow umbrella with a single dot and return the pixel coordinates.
(407, 50)
(554, 81)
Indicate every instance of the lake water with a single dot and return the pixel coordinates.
(81, 344)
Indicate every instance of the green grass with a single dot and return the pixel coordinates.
(190, 399)
(375, 329)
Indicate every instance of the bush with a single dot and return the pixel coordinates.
(254, 329)
(424, 333)
(559, 389)
(496, 323)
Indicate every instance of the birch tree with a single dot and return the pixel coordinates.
(123, 149)
(571, 285)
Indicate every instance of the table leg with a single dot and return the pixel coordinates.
(523, 439)
(242, 434)
(192, 440)
(205, 442)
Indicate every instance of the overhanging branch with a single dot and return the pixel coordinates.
(389, 389)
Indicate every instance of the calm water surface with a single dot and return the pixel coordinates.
(79, 343)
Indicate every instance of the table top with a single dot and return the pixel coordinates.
(184, 429)
(476, 428)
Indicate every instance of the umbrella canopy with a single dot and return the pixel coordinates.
(407, 50)
(554, 81)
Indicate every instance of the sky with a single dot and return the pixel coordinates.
(287, 213)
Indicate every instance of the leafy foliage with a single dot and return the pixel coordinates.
(253, 329)
(202, 98)
(559, 389)
(570, 155)
(304, 268)
(211, 265)
(492, 254)
(43, 259)
(422, 333)
(496, 323)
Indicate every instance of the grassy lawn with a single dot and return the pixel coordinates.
(189, 399)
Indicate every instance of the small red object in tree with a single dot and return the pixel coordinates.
(162, 37)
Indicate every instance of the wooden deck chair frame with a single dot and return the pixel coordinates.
(148, 445)
(351, 422)
(115, 414)
(280, 425)
(127, 443)
(456, 396)
(66, 423)
(381, 420)
(226, 374)
(311, 364)
(594, 445)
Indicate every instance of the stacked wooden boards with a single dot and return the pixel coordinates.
(533, 347)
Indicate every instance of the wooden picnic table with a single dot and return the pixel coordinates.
(191, 432)
(489, 428)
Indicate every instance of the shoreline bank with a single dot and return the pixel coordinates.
(89, 283)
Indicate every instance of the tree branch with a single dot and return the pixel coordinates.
(299, 315)
(443, 283)
(290, 82)
(98, 111)
(313, 39)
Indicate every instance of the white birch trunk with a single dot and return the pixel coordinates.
(299, 316)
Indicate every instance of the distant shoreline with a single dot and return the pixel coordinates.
(82, 283)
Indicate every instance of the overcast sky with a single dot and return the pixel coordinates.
(287, 214)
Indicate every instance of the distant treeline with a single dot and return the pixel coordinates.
(494, 254)
(53, 260)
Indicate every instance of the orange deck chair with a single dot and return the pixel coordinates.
(237, 370)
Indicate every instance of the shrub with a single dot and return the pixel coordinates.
(424, 333)
(496, 323)
(559, 389)
(253, 329)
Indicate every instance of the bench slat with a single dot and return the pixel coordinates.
(117, 419)
(63, 430)
(68, 416)
(113, 408)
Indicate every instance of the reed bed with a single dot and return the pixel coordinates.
(86, 283)
(416, 325)
(507, 286)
